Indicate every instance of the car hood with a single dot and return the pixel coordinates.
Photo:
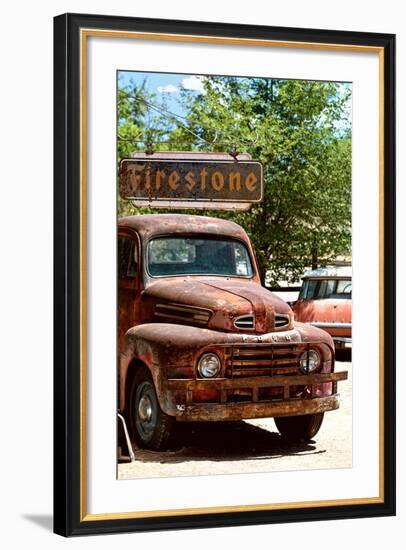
(221, 304)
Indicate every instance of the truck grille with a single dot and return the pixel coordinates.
(180, 313)
(262, 361)
(281, 320)
(245, 322)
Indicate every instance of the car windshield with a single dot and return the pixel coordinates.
(318, 289)
(167, 256)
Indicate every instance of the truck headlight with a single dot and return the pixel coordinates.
(309, 361)
(208, 365)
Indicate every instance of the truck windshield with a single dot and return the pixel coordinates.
(167, 256)
(318, 289)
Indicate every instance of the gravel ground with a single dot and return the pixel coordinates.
(250, 446)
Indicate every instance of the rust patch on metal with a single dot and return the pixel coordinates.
(190, 182)
(166, 324)
(239, 411)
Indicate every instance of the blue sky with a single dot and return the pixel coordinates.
(167, 87)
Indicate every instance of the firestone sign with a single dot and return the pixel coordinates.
(191, 180)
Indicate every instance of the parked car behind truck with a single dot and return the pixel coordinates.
(201, 340)
(325, 301)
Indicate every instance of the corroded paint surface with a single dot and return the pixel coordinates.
(190, 180)
(172, 352)
(215, 412)
(151, 225)
(225, 300)
(167, 323)
(328, 311)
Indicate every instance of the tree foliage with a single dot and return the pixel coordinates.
(300, 132)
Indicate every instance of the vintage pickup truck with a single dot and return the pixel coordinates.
(201, 340)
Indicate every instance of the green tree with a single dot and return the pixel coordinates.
(139, 126)
(300, 132)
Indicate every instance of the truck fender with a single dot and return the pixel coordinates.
(147, 345)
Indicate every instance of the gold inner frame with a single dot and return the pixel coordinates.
(84, 34)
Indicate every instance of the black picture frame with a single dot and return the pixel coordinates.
(68, 517)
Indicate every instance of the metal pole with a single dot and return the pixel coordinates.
(127, 438)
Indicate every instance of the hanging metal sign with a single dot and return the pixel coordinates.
(191, 180)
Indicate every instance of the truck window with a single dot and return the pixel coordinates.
(126, 257)
(168, 256)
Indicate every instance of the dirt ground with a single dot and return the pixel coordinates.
(250, 446)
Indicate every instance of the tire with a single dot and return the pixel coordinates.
(151, 427)
(299, 428)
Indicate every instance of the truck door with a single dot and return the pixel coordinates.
(128, 283)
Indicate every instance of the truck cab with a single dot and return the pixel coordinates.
(199, 338)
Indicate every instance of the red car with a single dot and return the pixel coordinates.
(325, 302)
(201, 340)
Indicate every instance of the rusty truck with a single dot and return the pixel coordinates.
(200, 340)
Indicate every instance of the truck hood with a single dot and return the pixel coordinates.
(220, 304)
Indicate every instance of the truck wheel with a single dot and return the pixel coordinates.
(150, 426)
(299, 428)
